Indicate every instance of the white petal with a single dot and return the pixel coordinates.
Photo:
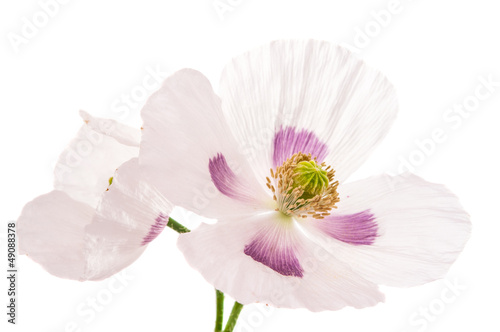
(122, 133)
(217, 252)
(422, 228)
(130, 215)
(310, 87)
(100, 146)
(184, 132)
(50, 231)
(72, 240)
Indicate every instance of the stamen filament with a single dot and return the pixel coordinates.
(301, 187)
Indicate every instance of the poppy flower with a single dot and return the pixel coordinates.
(269, 158)
(96, 221)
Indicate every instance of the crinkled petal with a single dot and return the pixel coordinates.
(409, 231)
(277, 246)
(131, 214)
(73, 240)
(359, 228)
(50, 230)
(100, 146)
(220, 253)
(122, 133)
(318, 93)
(188, 151)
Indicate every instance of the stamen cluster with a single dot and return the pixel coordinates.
(294, 198)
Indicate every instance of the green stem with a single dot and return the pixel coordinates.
(179, 228)
(233, 318)
(219, 318)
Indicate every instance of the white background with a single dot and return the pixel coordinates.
(91, 53)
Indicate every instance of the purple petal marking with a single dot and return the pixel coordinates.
(281, 259)
(155, 230)
(357, 229)
(225, 180)
(289, 141)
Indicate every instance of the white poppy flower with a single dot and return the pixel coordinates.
(96, 222)
(269, 159)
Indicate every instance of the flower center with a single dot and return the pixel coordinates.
(311, 177)
(303, 188)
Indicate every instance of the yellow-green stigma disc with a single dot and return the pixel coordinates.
(311, 177)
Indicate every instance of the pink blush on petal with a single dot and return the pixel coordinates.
(155, 229)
